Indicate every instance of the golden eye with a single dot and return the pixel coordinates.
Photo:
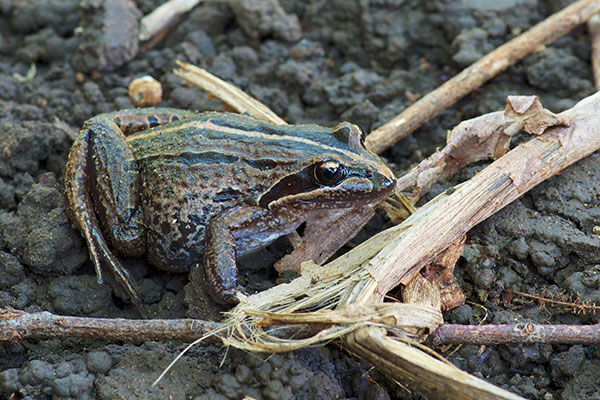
(329, 173)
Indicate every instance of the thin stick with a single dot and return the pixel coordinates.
(18, 325)
(593, 26)
(163, 17)
(516, 333)
(574, 303)
(483, 70)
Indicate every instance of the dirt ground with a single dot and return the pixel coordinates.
(318, 61)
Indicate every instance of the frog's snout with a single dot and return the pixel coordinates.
(387, 180)
(389, 183)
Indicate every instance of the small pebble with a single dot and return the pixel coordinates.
(145, 91)
(47, 179)
(64, 369)
(263, 373)
(9, 381)
(36, 372)
(463, 314)
(73, 386)
(99, 362)
(243, 374)
(228, 386)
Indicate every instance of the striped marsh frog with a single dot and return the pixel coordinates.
(188, 188)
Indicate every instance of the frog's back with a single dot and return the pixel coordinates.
(227, 158)
(217, 157)
(192, 170)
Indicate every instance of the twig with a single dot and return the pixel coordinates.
(481, 71)
(18, 325)
(575, 304)
(163, 17)
(593, 26)
(516, 333)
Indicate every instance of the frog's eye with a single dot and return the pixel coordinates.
(329, 172)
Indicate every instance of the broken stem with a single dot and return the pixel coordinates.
(442, 221)
(228, 93)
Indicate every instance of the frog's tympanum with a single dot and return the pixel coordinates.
(188, 188)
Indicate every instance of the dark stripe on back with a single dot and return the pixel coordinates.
(193, 158)
(262, 164)
(248, 124)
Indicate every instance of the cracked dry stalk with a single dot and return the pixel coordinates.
(228, 93)
(480, 138)
(446, 218)
(442, 222)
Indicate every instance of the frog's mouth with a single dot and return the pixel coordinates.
(359, 186)
(354, 191)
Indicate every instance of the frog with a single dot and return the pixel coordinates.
(185, 188)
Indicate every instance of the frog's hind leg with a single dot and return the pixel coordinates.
(102, 187)
(113, 184)
(79, 206)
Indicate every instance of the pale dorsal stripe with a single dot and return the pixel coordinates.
(209, 125)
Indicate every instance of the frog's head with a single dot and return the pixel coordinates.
(338, 173)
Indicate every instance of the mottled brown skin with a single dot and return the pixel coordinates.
(183, 188)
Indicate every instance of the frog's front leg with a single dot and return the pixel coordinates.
(237, 230)
(101, 188)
